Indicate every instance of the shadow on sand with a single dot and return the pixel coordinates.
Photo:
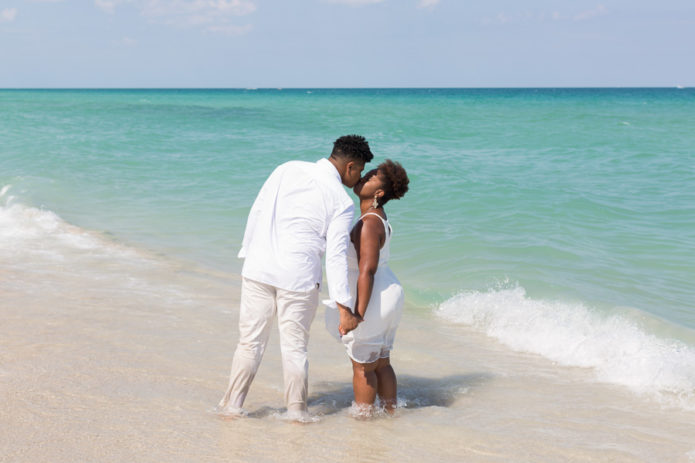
(413, 392)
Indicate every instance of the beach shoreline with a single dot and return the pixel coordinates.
(97, 370)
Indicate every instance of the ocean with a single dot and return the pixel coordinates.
(555, 226)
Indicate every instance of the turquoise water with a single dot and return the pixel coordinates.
(578, 195)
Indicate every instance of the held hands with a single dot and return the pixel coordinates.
(348, 320)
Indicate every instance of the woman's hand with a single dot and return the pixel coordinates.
(348, 320)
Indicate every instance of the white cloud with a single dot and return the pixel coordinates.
(125, 42)
(7, 15)
(427, 3)
(354, 2)
(196, 8)
(109, 6)
(211, 15)
(501, 18)
(106, 5)
(540, 17)
(231, 29)
(600, 10)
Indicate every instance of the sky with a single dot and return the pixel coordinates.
(346, 43)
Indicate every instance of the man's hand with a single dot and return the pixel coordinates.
(348, 320)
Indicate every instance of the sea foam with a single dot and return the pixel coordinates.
(28, 230)
(39, 250)
(572, 334)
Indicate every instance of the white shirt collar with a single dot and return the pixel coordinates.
(330, 168)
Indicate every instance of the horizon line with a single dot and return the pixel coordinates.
(680, 87)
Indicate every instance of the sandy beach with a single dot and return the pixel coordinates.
(128, 363)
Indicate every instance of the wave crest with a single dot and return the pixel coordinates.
(572, 334)
(30, 231)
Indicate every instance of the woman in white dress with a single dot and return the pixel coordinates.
(376, 291)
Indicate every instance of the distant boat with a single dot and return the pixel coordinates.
(680, 87)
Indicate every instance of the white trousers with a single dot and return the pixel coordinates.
(295, 312)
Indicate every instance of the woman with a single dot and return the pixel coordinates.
(378, 295)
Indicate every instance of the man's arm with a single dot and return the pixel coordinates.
(337, 242)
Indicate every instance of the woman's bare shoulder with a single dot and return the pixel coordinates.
(371, 225)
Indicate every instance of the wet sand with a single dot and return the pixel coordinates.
(124, 358)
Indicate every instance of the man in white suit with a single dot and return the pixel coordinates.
(301, 213)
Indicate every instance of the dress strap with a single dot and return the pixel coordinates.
(371, 213)
(387, 225)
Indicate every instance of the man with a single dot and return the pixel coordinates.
(301, 212)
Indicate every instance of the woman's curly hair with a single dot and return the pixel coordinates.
(395, 181)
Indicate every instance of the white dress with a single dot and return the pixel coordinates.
(373, 338)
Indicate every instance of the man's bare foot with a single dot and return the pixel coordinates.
(300, 417)
(230, 414)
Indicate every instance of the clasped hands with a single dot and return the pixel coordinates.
(348, 320)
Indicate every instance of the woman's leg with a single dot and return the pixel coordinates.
(364, 382)
(387, 387)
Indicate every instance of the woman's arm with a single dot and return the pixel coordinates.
(368, 239)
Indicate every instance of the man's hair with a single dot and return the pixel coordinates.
(395, 183)
(353, 148)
